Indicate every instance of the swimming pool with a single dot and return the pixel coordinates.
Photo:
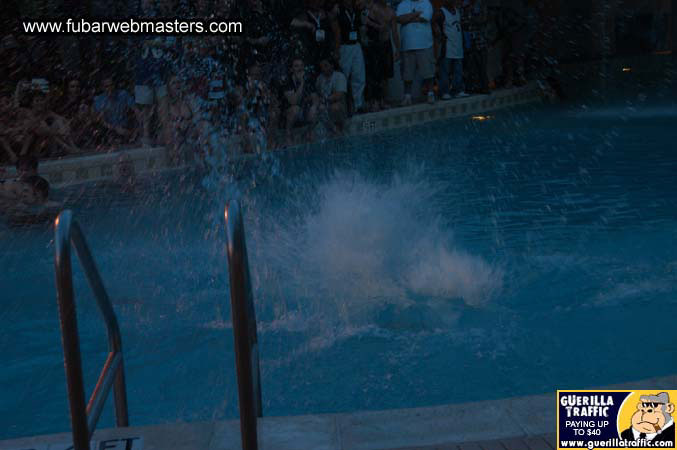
(451, 262)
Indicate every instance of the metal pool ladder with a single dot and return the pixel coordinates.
(84, 419)
(244, 328)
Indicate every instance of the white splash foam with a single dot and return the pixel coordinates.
(361, 246)
(453, 273)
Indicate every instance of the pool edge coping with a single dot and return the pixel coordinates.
(526, 417)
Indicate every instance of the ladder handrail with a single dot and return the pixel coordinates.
(244, 328)
(67, 232)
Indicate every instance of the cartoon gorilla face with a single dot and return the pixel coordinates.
(651, 417)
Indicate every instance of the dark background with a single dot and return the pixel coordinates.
(578, 29)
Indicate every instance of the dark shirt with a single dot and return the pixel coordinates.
(350, 22)
(474, 26)
(291, 85)
(153, 62)
(15, 67)
(312, 46)
(285, 11)
(261, 24)
(373, 33)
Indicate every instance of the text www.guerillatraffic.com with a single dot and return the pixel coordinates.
(133, 26)
(616, 443)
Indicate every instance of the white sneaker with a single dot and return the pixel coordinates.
(406, 101)
(446, 97)
(462, 94)
(431, 97)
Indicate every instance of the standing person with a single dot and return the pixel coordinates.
(208, 78)
(316, 34)
(151, 69)
(381, 26)
(448, 21)
(282, 12)
(229, 50)
(261, 32)
(418, 57)
(520, 26)
(150, 91)
(475, 42)
(349, 18)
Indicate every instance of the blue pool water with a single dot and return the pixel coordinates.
(446, 263)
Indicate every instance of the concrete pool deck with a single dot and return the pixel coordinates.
(513, 423)
(99, 167)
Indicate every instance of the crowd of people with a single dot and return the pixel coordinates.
(292, 69)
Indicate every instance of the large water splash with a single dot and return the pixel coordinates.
(360, 253)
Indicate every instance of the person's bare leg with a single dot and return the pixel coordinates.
(169, 138)
(248, 142)
(163, 118)
(291, 115)
(337, 115)
(67, 146)
(384, 93)
(8, 149)
(28, 141)
(407, 93)
(272, 125)
(146, 116)
(312, 120)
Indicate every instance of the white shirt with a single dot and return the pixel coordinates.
(416, 35)
(327, 86)
(453, 33)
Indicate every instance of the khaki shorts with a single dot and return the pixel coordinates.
(147, 95)
(418, 61)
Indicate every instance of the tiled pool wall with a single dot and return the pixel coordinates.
(101, 167)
